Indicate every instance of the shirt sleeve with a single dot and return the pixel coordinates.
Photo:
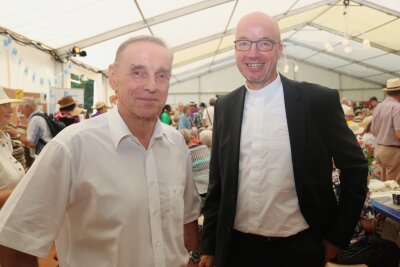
(396, 118)
(34, 131)
(31, 218)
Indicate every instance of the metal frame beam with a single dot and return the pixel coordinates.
(142, 24)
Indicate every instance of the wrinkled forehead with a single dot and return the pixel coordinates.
(145, 49)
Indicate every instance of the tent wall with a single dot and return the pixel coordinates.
(35, 71)
(220, 82)
(32, 70)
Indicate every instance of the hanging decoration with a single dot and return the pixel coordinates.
(29, 71)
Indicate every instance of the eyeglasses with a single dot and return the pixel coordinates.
(262, 45)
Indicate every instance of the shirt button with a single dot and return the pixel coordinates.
(158, 243)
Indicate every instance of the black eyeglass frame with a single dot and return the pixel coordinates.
(273, 43)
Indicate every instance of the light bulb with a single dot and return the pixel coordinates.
(366, 44)
(348, 49)
(328, 47)
(296, 68)
(286, 68)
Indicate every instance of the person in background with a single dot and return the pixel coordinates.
(69, 111)
(347, 106)
(38, 132)
(11, 171)
(184, 120)
(113, 101)
(165, 118)
(270, 200)
(194, 115)
(366, 246)
(130, 208)
(386, 128)
(200, 162)
(208, 114)
(205, 137)
(373, 103)
(100, 108)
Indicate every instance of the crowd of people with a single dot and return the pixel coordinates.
(127, 187)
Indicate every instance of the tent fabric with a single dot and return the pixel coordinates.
(201, 33)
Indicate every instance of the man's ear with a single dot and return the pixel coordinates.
(111, 77)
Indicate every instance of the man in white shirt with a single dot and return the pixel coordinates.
(270, 199)
(103, 188)
(208, 114)
(38, 132)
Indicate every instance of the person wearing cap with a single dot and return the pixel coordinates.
(101, 108)
(69, 111)
(38, 133)
(386, 128)
(11, 171)
(116, 190)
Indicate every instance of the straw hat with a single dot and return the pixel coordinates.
(392, 85)
(77, 110)
(99, 105)
(4, 99)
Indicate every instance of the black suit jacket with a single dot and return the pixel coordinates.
(318, 134)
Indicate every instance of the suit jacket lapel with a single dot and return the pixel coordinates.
(236, 117)
(297, 121)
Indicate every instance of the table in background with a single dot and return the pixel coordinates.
(385, 206)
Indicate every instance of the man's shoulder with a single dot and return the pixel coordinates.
(84, 130)
(310, 88)
(241, 90)
(173, 135)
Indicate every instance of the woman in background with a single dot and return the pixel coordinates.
(165, 117)
(11, 171)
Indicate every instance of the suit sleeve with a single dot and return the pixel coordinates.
(349, 158)
(212, 203)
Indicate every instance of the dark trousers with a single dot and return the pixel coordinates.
(302, 249)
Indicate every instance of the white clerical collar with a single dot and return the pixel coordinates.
(274, 85)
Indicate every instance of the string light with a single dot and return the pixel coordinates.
(296, 67)
(366, 44)
(286, 67)
(328, 47)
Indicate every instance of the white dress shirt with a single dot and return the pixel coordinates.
(107, 200)
(267, 203)
(11, 170)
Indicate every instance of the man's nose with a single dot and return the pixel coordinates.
(151, 83)
(253, 50)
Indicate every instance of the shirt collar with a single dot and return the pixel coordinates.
(275, 84)
(119, 130)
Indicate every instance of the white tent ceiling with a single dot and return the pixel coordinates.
(201, 33)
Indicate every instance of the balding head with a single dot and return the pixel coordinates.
(253, 19)
(257, 65)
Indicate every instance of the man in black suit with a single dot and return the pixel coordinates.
(270, 200)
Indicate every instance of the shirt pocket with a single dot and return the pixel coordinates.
(176, 206)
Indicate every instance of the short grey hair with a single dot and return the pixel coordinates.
(205, 137)
(29, 101)
(141, 38)
(187, 135)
